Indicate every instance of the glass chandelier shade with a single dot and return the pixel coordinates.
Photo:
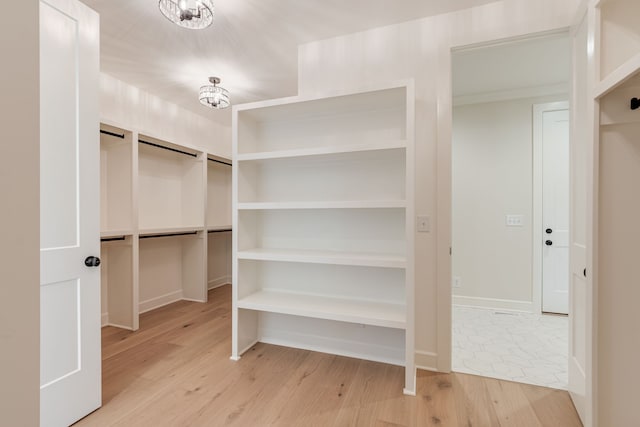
(192, 14)
(213, 95)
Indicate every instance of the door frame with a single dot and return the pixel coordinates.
(537, 206)
(444, 107)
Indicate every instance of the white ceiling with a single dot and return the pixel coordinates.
(252, 44)
(536, 62)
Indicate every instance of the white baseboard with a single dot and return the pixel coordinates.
(220, 281)
(104, 320)
(115, 325)
(160, 301)
(426, 360)
(337, 348)
(494, 303)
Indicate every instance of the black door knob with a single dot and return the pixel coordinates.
(548, 243)
(548, 231)
(92, 261)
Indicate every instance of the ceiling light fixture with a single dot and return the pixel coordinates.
(213, 95)
(192, 14)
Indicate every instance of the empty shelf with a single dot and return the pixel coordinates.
(347, 204)
(320, 307)
(115, 233)
(169, 230)
(325, 257)
(318, 151)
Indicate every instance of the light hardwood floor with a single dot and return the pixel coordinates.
(175, 371)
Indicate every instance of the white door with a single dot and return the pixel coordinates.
(555, 210)
(581, 235)
(70, 381)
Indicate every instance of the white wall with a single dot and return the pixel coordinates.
(493, 177)
(129, 107)
(20, 219)
(421, 50)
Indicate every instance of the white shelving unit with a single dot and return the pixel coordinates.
(171, 185)
(619, 36)
(172, 267)
(119, 296)
(116, 181)
(218, 220)
(323, 213)
(119, 252)
(164, 209)
(618, 210)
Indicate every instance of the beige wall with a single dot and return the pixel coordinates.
(19, 219)
(493, 177)
(421, 50)
(131, 108)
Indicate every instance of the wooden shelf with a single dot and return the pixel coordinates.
(318, 151)
(115, 233)
(219, 228)
(618, 77)
(169, 230)
(321, 307)
(325, 257)
(347, 204)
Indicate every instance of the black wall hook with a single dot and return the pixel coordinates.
(635, 103)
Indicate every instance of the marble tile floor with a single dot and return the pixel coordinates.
(522, 347)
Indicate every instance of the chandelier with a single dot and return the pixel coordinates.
(193, 14)
(213, 95)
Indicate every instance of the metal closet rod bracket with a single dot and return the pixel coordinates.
(635, 103)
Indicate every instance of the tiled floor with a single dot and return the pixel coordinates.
(522, 347)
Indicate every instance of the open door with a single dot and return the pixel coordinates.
(70, 386)
(581, 302)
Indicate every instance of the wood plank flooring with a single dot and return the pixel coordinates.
(175, 371)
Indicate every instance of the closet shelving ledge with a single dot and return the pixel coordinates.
(619, 43)
(339, 149)
(363, 312)
(346, 204)
(618, 77)
(325, 257)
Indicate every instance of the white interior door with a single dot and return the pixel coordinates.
(555, 209)
(581, 234)
(70, 384)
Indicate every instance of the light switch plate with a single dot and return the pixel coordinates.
(457, 282)
(514, 220)
(423, 224)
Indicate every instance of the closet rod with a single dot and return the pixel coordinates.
(117, 135)
(635, 103)
(166, 148)
(153, 236)
(219, 231)
(220, 161)
(111, 239)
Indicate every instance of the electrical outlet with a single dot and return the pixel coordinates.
(423, 224)
(457, 282)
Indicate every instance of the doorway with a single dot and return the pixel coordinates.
(510, 175)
